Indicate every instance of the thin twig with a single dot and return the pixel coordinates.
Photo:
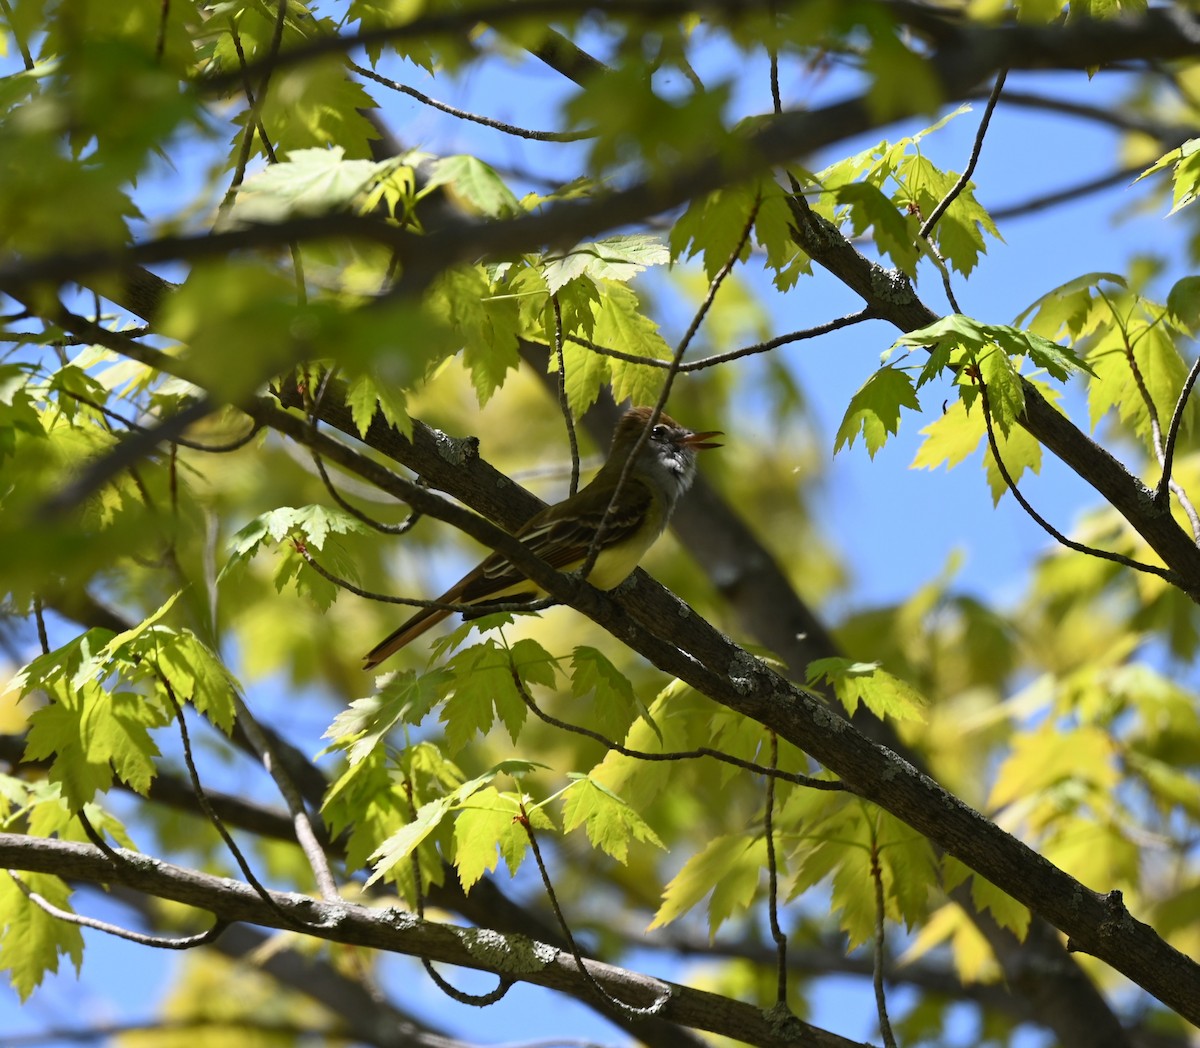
(160, 43)
(1117, 558)
(1168, 457)
(254, 120)
(924, 235)
(885, 1026)
(944, 270)
(628, 1009)
(481, 1000)
(130, 450)
(850, 319)
(777, 933)
(192, 445)
(254, 103)
(173, 481)
(383, 527)
(563, 401)
(476, 118)
(1121, 177)
(160, 942)
(772, 772)
(30, 338)
(1025, 46)
(268, 68)
(511, 606)
(255, 116)
(976, 149)
(40, 619)
(248, 133)
(202, 800)
(1166, 482)
(472, 1000)
(114, 1033)
(96, 837)
(1115, 118)
(713, 287)
(306, 837)
(776, 102)
(26, 57)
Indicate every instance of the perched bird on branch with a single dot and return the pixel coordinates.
(619, 514)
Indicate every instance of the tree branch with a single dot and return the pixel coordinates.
(891, 297)
(972, 54)
(1159, 33)
(397, 931)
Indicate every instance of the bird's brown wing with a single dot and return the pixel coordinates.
(563, 543)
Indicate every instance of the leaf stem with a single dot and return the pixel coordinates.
(772, 772)
(976, 149)
(777, 933)
(654, 1006)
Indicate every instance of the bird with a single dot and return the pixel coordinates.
(563, 534)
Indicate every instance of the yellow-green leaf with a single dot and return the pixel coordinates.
(875, 409)
(722, 857)
(609, 821)
(1050, 754)
(31, 940)
(882, 693)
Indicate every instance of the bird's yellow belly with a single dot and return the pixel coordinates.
(616, 563)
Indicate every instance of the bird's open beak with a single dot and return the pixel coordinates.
(700, 441)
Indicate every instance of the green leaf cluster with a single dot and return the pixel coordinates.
(319, 181)
(632, 121)
(1130, 344)
(884, 694)
(714, 227)
(891, 188)
(31, 940)
(1065, 711)
(104, 694)
(579, 299)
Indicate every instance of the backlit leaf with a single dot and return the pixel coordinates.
(475, 184)
(622, 325)
(613, 704)
(882, 693)
(406, 698)
(1045, 757)
(1008, 912)
(309, 181)
(875, 409)
(487, 820)
(91, 737)
(950, 438)
(610, 822)
(31, 940)
(723, 857)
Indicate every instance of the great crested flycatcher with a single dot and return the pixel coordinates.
(563, 534)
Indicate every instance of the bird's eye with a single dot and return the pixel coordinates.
(659, 432)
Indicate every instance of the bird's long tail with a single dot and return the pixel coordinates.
(410, 630)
